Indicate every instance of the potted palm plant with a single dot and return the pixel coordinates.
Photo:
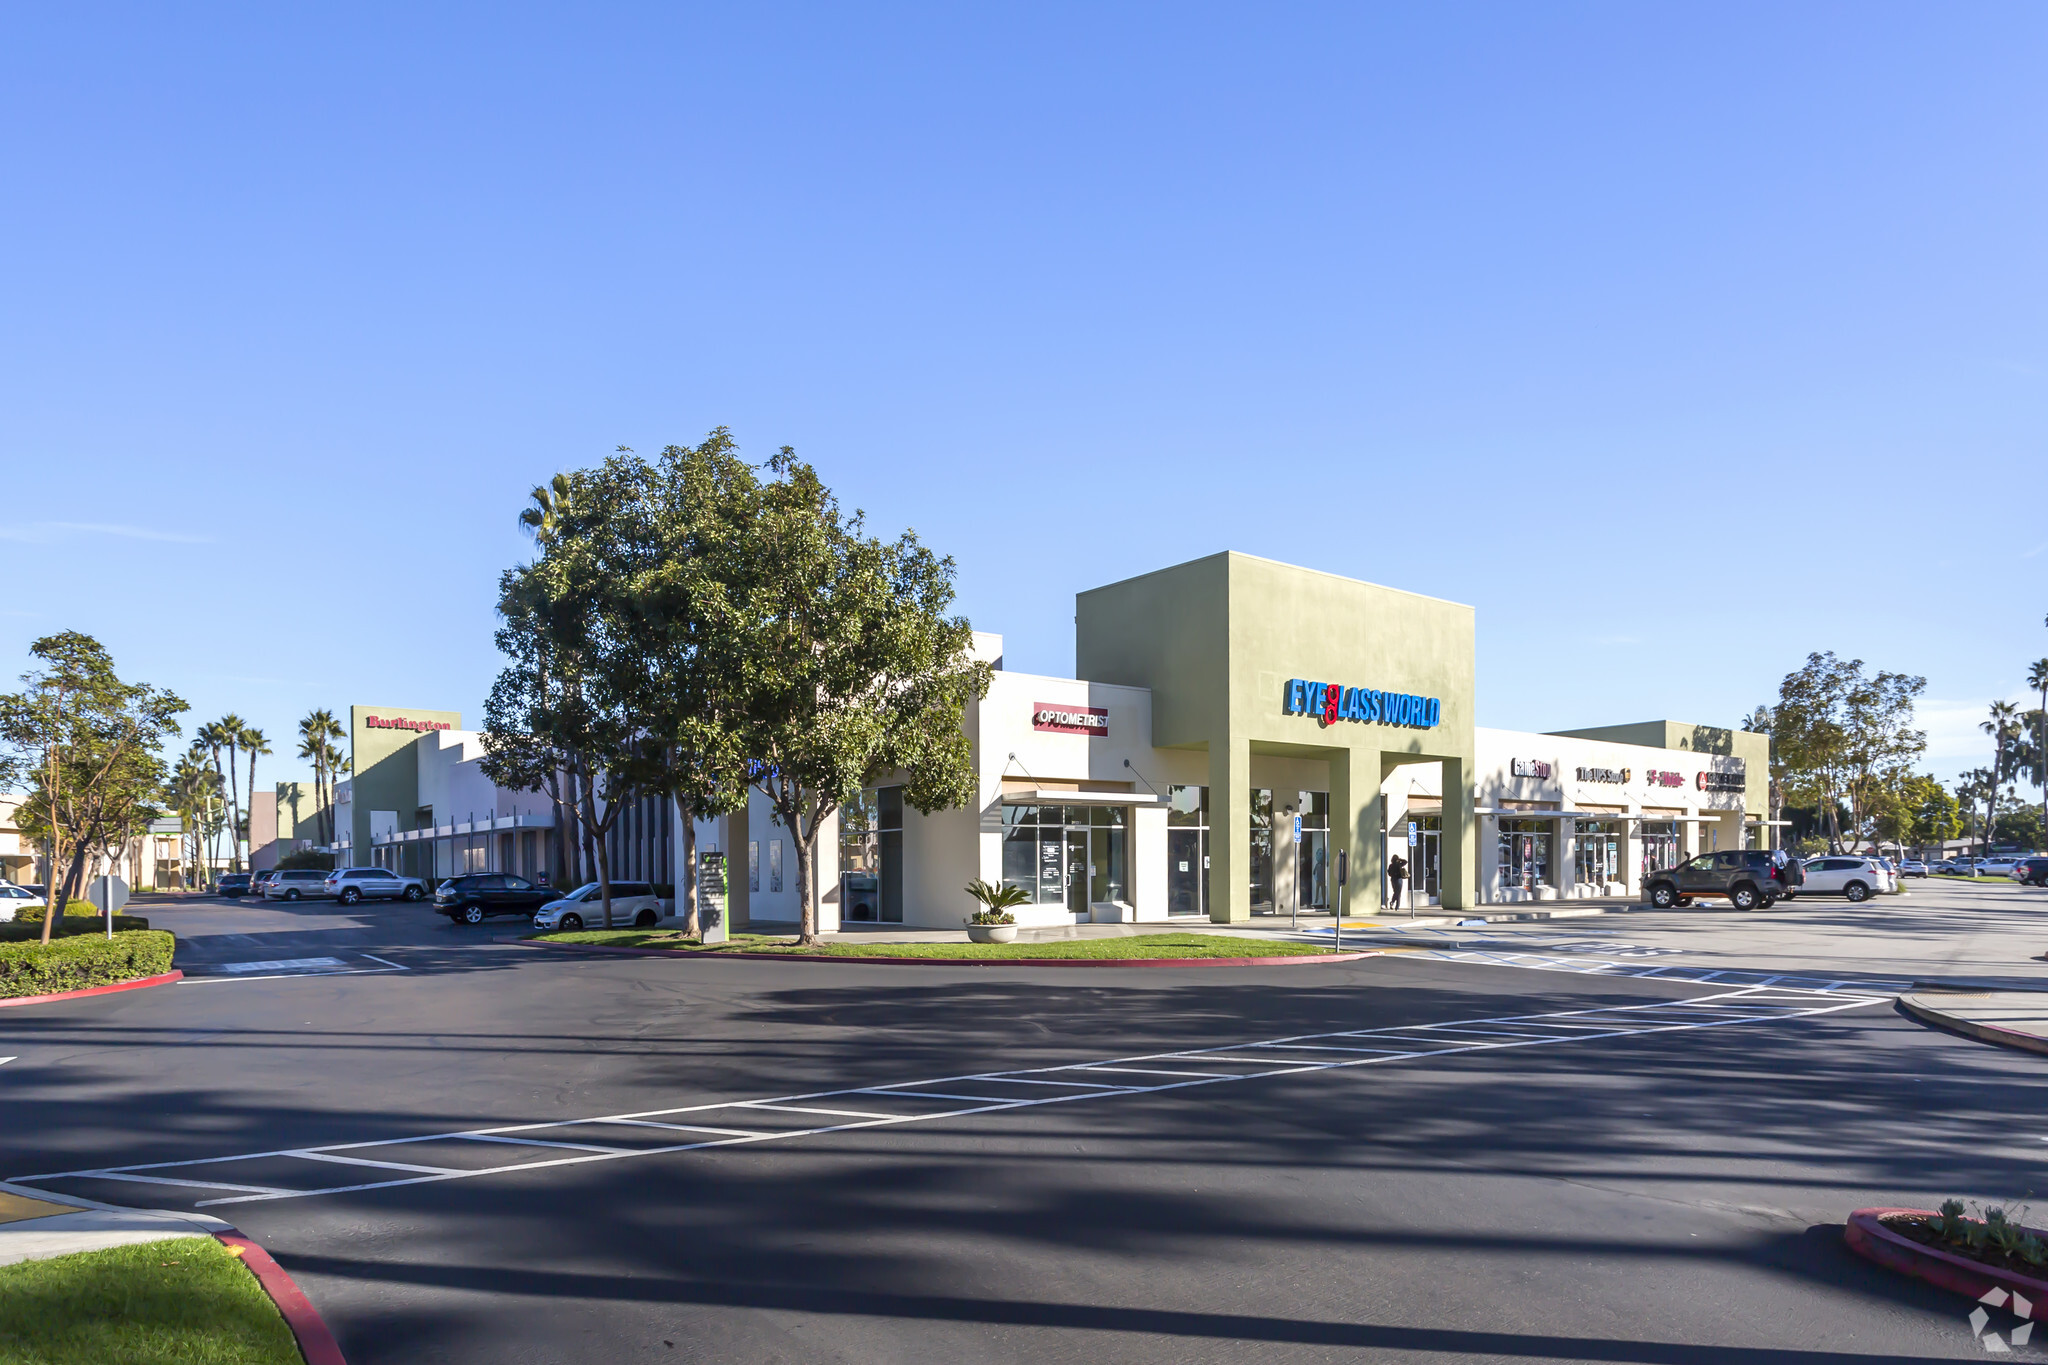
(994, 923)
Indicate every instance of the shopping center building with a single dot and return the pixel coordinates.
(1249, 738)
(1244, 738)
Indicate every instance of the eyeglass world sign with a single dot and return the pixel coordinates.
(1332, 702)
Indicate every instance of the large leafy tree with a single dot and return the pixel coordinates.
(92, 742)
(1842, 735)
(845, 661)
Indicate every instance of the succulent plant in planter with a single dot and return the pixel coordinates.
(994, 923)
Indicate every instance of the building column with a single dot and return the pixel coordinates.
(1230, 830)
(1146, 851)
(1355, 807)
(825, 873)
(736, 893)
(1632, 851)
(1458, 851)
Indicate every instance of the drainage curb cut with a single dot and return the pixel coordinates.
(1291, 960)
(316, 1343)
(137, 984)
(1873, 1241)
(1983, 1033)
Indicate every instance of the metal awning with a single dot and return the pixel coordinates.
(1041, 797)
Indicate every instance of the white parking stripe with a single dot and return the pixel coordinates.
(1732, 1007)
(365, 1161)
(684, 1127)
(802, 1109)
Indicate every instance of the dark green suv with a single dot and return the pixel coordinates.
(1747, 878)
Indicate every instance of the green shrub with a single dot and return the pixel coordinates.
(77, 962)
(21, 931)
(72, 910)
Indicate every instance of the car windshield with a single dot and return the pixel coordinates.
(582, 893)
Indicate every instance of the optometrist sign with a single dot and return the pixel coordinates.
(1060, 719)
(1331, 702)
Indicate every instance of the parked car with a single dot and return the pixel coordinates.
(1747, 878)
(633, 903)
(261, 880)
(1857, 878)
(234, 884)
(2031, 871)
(13, 898)
(1997, 867)
(1912, 867)
(351, 884)
(298, 883)
(469, 898)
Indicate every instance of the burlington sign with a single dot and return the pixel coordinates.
(1332, 702)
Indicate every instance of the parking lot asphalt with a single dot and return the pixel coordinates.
(1665, 1193)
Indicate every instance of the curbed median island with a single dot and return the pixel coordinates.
(79, 956)
(182, 1299)
(1165, 947)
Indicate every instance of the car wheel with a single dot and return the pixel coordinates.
(644, 920)
(412, 893)
(1742, 897)
(1663, 895)
(471, 914)
(572, 922)
(292, 894)
(349, 896)
(1767, 902)
(1856, 891)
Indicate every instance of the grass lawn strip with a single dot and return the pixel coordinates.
(187, 1300)
(1134, 946)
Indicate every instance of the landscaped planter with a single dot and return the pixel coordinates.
(991, 933)
(1869, 1238)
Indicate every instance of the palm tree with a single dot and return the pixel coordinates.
(545, 519)
(254, 742)
(2003, 725)
(318, 731)
(230, 728)
(2037, 678)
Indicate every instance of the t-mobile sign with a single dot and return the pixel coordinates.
(1070, 720)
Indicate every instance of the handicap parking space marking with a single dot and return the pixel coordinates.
(272, 969)
(1161, 1072)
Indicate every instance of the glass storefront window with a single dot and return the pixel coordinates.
(1661, 847)
(1262, 847)
(1312, 851)
(1596, 852)
(1524, 855)
(1187, 851)
(1066, 855)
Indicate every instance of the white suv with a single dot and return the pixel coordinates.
(1841, 874)
(351, 884)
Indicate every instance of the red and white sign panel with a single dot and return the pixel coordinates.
(398, 723)
(1070, 720)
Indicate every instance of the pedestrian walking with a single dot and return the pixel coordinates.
(1397, 872)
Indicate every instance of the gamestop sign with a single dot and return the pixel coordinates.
(1059, 719)
(400, 723)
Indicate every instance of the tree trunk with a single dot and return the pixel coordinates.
(806, 842)
(234, 808)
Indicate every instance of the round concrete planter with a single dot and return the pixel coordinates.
(1869, 1238)
(991, 933)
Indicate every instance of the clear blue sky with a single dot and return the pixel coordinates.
(1678, 339)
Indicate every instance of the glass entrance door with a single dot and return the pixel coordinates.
(1597, 857)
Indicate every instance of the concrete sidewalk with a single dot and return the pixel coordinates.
(35, 1225)
(1259, 926)
(2016, 1019)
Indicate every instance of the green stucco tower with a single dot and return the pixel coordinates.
(1228, 646)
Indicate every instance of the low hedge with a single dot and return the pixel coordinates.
(22, 931)
(78, 962)
(33, 911)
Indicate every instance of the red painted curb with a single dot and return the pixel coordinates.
(316, 1343)
(1872, 1240)
(137, 984)
(1292, 960)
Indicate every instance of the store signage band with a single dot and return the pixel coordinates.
(1332, 702)
(1059, 719)
(1529, 767)
(1603, 774)
(398, 723)
(1658, 777)
(1721, 782)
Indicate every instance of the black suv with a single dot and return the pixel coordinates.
(1748, 879)
(2031, 872)
(235, 884)
(469, 898)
